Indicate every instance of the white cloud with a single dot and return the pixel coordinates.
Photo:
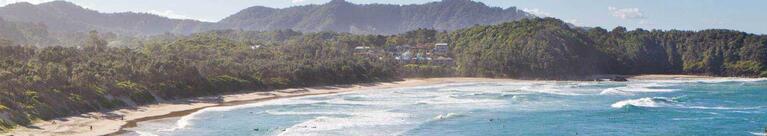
(537, 12)
(297, 1)
(626, 13)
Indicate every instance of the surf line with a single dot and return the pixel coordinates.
(134, 123)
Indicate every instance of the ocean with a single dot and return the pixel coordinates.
(685, 107)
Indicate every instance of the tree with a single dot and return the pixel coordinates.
(94, 42)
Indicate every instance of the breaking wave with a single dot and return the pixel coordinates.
(637, 88)
(447, 116)
(654, 102)
(364, 119)
(645, 102)
(758, 133)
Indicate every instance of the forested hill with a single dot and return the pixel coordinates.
(61, 16)
(336, 16)
(49, 81)
(550, 49)
(342, 16)
(24, 33)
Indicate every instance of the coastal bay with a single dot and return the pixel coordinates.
(115, 122)
(112, 121)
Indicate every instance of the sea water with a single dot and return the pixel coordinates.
(717, 106)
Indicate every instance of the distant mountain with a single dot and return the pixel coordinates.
(342, 16)
(24, 33)
(337, 16)
(61, 16)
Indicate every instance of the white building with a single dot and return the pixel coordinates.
(441, 49)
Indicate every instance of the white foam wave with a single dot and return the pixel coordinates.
(693, 119)
(644, 102)
(614, 91)
(186, 121)
(722, 108)
(454, 102)
(758, 133)
(304, 113)
(547, 89)
(724, 80)
(142, 133)
(709, 80)
(671, 102)
(446, 116)
(630, 89)
(359, 119)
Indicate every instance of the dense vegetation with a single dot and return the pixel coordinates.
(44, 82)
(49, 82)
(551, 49)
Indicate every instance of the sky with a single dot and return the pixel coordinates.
(744, 15)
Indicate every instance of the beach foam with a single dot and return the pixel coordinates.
(359, 119)
(450, 101)
(615, 91)
(547, 89)
(631, 89)
(433, 109)
(142, 133)
(645, 102)
(711, 80)
(672, 102)
(447, 116)
(304, 113)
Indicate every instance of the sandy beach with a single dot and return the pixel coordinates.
(104, 123)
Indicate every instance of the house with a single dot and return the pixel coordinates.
(441, 49)
(422, 48)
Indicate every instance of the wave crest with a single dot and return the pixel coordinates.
(447, 116)
(645, 102)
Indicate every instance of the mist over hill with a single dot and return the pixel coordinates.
(337, 16)
(61, 16)
(342, 16)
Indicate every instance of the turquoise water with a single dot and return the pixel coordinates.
(722, 106)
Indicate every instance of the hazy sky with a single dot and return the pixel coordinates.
(744, 15)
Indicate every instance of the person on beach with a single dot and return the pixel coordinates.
(91, 128)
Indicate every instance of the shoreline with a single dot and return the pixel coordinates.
(115, 122)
